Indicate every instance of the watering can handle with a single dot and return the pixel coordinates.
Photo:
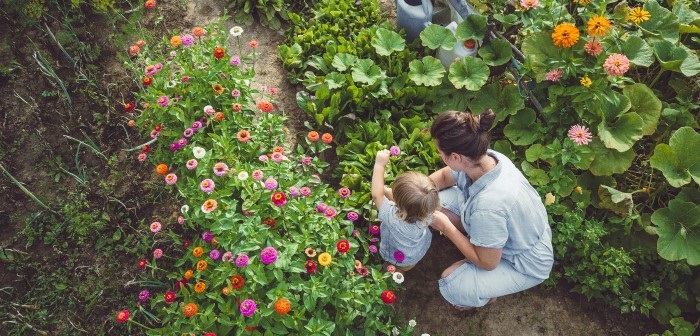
(461, 7)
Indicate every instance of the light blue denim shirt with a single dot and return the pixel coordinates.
(413, 239)
(502, 210)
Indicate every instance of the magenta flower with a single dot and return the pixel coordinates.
(355, 233)
(270, 183)
(248, 307)
(143, 295)
(306, 160)
(207, 186)
(273, 90)
(305, 191)
(188, 132)
(579, 134)
(268, 255)
(616, 64)
(235, 60)
(163, 101)
(352, 216)
(182, 142)
(150, 70)
(321, 207)
(293, 191)
(214, 254)
(554, 75)
(196, 125)
(394, 150)
(399, 256)
(344, 192)
(374, 240)
(373, 248)
(207, 236)
(187, 40)
(191, 164)
(174, 146)
(242, 260)
(185, 79)
(220, 169)
(330, 213)
(374, 229)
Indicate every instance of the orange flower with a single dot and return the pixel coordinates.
(140, 43)
(226, 291)
(197, 252)
(313, 136)
(162, 169)
(236, 107)
(131, 123)
(278, 149)
(243, 136)
(282, 306)
(598, 25)
(150, 4)
(237, 282)
(253, 44)
(199, 287)
(565, 35)
(327, 138)
(219, 116)
(176, 41)
(265, 106)
(190, 309)
(219, 52)
(198, 31)
(202, 265)
(188, 274)
(133, 50)
(218, 88)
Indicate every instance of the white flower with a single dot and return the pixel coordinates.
(398, 277)
(424, 334)
(185, 208)
(412, 323)
(236, 31)
(243, 175)
(395, 331)
(209, 109)
(199, 152)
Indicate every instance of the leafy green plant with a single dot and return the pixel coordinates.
(270, 13)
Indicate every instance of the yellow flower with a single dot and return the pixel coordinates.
(638, 15)
(218, 88)
(175, 41)
(565, 35)
(549, 199)
(585, 81)
(324, 259)
(598, 25)
(202, 265)
(579, 190)
(582, 2)
(199, 287)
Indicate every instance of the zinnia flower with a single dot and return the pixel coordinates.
(163, 101)
(219, 52)
(398, 277)
(554, 75)
(207, 236)
(220, 169)
(268, 255)
(243, 136)
(236, 107)
(342, 246)
(218, 88)
(188, 274)
(235, 60)
(199, 152)
(305, 191)
(310, 266)
(306, 160)
(293, 191)
(253, 44)
(187, 40)
(326, 138)
(243, 175)
(175, 41)
(391, 268)
(352, 216)
(170, 179)
(214, 254)
(235, 93)
(150, 4)
(265, 106)
(263, 158)
(199, 287)
(257, 174)
(579, 134)
(330, 213)
(313, 136)
(209, 206)
(198, 31)
(616, 64)
(236, 31)
(227, 256)
(598, 25)
(279, 199)
(242, 260)
(565, 35)
(529, 4)
(190, 309)
(155, 227)
(310, 252)
(191, 164)
(363, 271)
(324, 259)
(277, 157)
(585, 81)
(372, 248)
(593, 47)
(394, 150)
(123, 316)
(157, 253)
(197, 251)
(388, 297)
(399, 256)
(169, 297)
(638, 15)
(270, 183)
(344, 192)
(207, 186)
(248, 307)
(374, 229)
(237, 282)
(143, 263)
(282, 306)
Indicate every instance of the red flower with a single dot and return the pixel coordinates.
(279, 199)
(147, 81)
(265, 106)
(343, 246)
(186, 244)
(388, 297)
(169, 297)
(146, 148)
(269, 222)
(123, 316)
(219, 52)
(182, 283)
(128, 107)
(210, 334)
(150, 4)
(143, 263)
(310, 266)
(237, 282)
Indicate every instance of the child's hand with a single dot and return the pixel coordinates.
(382, 157)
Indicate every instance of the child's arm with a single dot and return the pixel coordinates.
(378, 177)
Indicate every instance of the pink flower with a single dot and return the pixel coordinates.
(554, 75)
(257, 175)
(277, 157)
(529, 4)
(191, 164)
(344, 192)
(163, 101)
(293, 191)
(248, 307)
(616, 64)
(330, 213)
(142, 157)
(271, 183)
(579, 134)
(207, 186)
(268, 255)
(373, 248)
(170, 179)
(395, 150)
(220, 169)
(305, 191)
(391, 268)
(155, 227)
(593, 47)
(235, 60)
(273, 90)
(157, 253)
(352, 216)
(242, 260)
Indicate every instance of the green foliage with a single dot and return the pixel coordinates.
(270, 13)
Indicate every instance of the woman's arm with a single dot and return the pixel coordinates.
(443, 178)
(482, 257)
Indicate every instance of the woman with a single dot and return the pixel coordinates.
(508, 242)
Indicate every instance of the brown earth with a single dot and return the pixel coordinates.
(32, 127)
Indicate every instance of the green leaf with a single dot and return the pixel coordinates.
(536, 176)
(496, 52)
(428, 71)
(618, 202)
(343, 61)
(622, 133)
(504, 101)
(540, 51)
(677, 59)
(365, 71)
(678, 227)
(679, 161)
(435, 36)
(507, 20)
(638, 51)
(645, 104)
(473, 27)
(471, 73)
(522, 128)
(613, 105)
(663, 23)
(335, 80)
(386, 42)
(609, 161)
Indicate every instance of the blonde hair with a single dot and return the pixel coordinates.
(416, 196)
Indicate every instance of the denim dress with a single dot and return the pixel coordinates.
(412, 239)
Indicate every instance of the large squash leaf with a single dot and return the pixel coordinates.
(679, 161)
(678, 227)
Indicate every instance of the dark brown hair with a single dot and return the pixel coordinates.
(463, 132)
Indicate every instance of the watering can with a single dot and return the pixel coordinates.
(413, 16)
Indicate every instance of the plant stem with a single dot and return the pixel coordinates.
(25, 190)
(661, 71)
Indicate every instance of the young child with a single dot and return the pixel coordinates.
(406, 210)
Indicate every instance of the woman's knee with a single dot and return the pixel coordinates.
(452, 268)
